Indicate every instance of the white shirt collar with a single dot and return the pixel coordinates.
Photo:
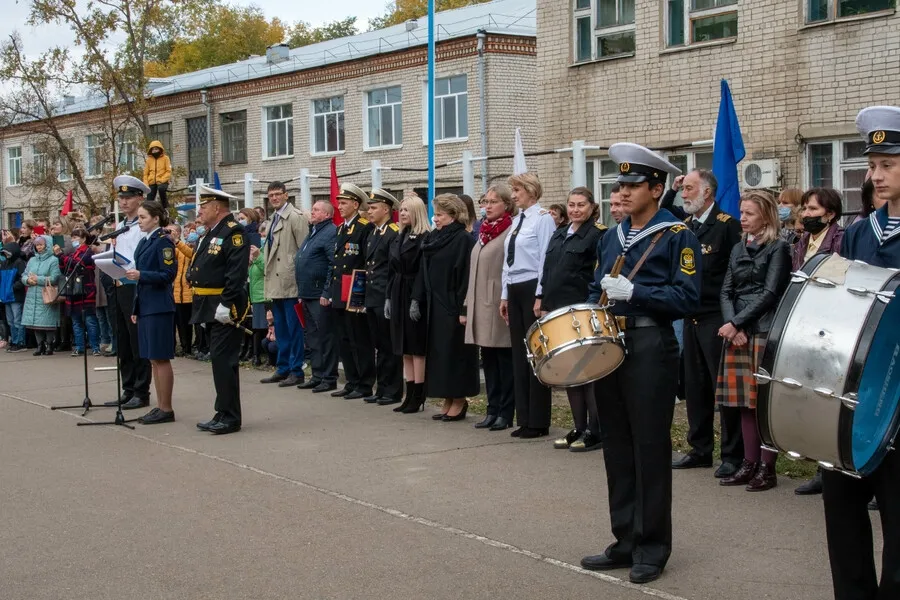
(702, 218)
(280, 211)
(533, 209)
(147, 235)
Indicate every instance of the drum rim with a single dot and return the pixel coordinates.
(593, 341)
(564, 310)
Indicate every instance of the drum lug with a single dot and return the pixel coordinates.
(791, 383)
(595, 323)
(800, 276)
(826, 465)
(762, 377)
(794, 455)
(770, 449)
(850, 400)
(884, 297)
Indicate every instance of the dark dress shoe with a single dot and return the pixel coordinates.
(644, 574)
(438, 416)
(222, 428)
(531, 433)
(204, 426)
(692, 461)
(564, 442)
(500, 424)
(341, 393)
(517, 432)
(373, 399)
(457, 417)
(587, 442)
(152, 412)
(355, 395)
(160, 416)
(726, 469)
(486, 422)
(274, 378)
(308, 385)
(602, 562)
(765, 479)
(388, 401)
(324, 387)
(811, 487)
(125, 400)
(136, 403)
(291, 381)
(743, 475)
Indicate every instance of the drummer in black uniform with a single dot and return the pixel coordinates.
(636, 402)
(355, 342)
(388, 367)
(875, 241)
(218, 275)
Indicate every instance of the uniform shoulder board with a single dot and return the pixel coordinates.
(394, 227)
(678, 228)
(543, 211)
(724, 217)
(232, 224)
(363, 221)
(600, 226)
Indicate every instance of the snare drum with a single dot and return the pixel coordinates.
(574, 345)
(830, 376)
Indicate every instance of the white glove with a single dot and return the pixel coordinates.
(223, 314)
(617, 288)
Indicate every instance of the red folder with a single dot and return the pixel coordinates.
(346, 284)
(298, 308)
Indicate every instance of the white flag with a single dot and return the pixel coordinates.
(519, 165)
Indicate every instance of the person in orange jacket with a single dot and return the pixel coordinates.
(157, 172)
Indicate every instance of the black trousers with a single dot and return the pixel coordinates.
(321, 340)
(636, 405)
(388, 366)
(357, 353)
(498, 381)
(532, 397)
(850, 544)
(161, 188)
(702, 354)
(183, 326)
(224, 353)
(135, 370)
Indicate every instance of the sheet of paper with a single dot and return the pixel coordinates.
(115, 265)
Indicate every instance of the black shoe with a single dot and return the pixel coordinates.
(207, 424)
(275, 378)
(692, 461)
(373, 399)
(644, 574)
(125, 400)
(324, 387)
(136, 403)
(153, 411)
(602, 562)
(438, 417)
(811, 487)
(388, 401)
(341, 393)
(16, 348)
(40, 350)
(531, 433)
(518, 432)
(49, 352)
(587, 442)
(308, 385)
(355, 395)
(291, 381)
(726, 469)
(486, 422)
(222, 428)
(570, 438)
(416, 400)
(159, 416)
(500, 424)
(460, 416)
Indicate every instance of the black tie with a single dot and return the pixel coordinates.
(695, 225)
(511, 255)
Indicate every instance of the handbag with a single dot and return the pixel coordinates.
(50, 294)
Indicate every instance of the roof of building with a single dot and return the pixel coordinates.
(508, 17)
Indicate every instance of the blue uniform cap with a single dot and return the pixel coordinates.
(638, 164)
(127, 186)
(880, 126)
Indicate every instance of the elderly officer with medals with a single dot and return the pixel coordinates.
(354, 339)
(659, 283)
(875, 241)
(218, 275)
(388, 366)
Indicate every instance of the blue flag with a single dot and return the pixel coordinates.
(216, 183)
(727, 153)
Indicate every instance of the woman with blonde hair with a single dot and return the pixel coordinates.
(758, 274)
(408, 336)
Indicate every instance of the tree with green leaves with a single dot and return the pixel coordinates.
(302, 34)
(400, 11)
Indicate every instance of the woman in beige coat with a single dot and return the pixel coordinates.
(484, 325)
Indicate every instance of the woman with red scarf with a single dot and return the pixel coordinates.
(81, 293)
(484, 325)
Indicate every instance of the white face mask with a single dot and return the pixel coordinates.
(243, 222)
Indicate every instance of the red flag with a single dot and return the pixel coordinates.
(335, 190)
(67, 205)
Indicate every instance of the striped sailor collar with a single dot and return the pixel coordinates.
(878, 220)
(661, 220)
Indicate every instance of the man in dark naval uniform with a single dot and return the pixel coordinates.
(355, 342)
(875, 241)
(218, 275)
(659, 283)
(718, 232)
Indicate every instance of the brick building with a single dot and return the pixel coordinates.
(648, 71)
(359, 99)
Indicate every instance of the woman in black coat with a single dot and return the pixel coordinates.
(451, 365)
(408, 337)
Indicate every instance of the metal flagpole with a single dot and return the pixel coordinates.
(431, 61)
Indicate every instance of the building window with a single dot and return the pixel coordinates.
(451, 108)
(603, 29)
(63, 167)
(278, 131)
(841, 165)
(15, 219)
(818, 11)
(14, 165)
(234, 137)
(127, 148)
(38, 162)
(94, 145)
(328, 125)
(687, 162)
(162, 133)
(698, 21)
(384, 118)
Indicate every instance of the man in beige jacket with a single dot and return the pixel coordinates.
(287, 231)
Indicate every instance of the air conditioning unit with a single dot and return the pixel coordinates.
(759, 174)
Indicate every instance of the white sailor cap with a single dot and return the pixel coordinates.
(127, 186)
(208, 194)
(880, 126)
(380, 195)
(638, 164)
(352, 192)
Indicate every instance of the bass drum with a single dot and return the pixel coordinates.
(829, 381)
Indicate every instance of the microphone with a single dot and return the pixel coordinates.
(101, 224)
(114, 234)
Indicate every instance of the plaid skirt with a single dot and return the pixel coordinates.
(736, 386)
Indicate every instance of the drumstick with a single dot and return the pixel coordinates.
(616, 270)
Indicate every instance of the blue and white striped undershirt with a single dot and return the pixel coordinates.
(892, 224)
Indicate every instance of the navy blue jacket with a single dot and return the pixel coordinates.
(862, 241)
(155, 258)
(314, 262)
(251, 232)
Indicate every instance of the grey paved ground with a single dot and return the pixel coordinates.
(326, 498)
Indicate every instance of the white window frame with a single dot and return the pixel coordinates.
(288, 131)
(832, 13)
(128, 151)
(63, 168)
(397, 122)
(439, 139)
(597, 32)
(839, 166)
(38, 162)
(691, 15)
(13, 166)
(339, 115)
(94, 165)
(226, 142)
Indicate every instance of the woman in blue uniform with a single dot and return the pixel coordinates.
(154, 271)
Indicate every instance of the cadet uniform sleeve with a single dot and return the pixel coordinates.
(682, 295)
(237, 264)
(168, 264)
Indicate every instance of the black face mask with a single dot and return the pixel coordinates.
(814, 225)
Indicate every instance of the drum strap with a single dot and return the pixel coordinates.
(645, 255)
